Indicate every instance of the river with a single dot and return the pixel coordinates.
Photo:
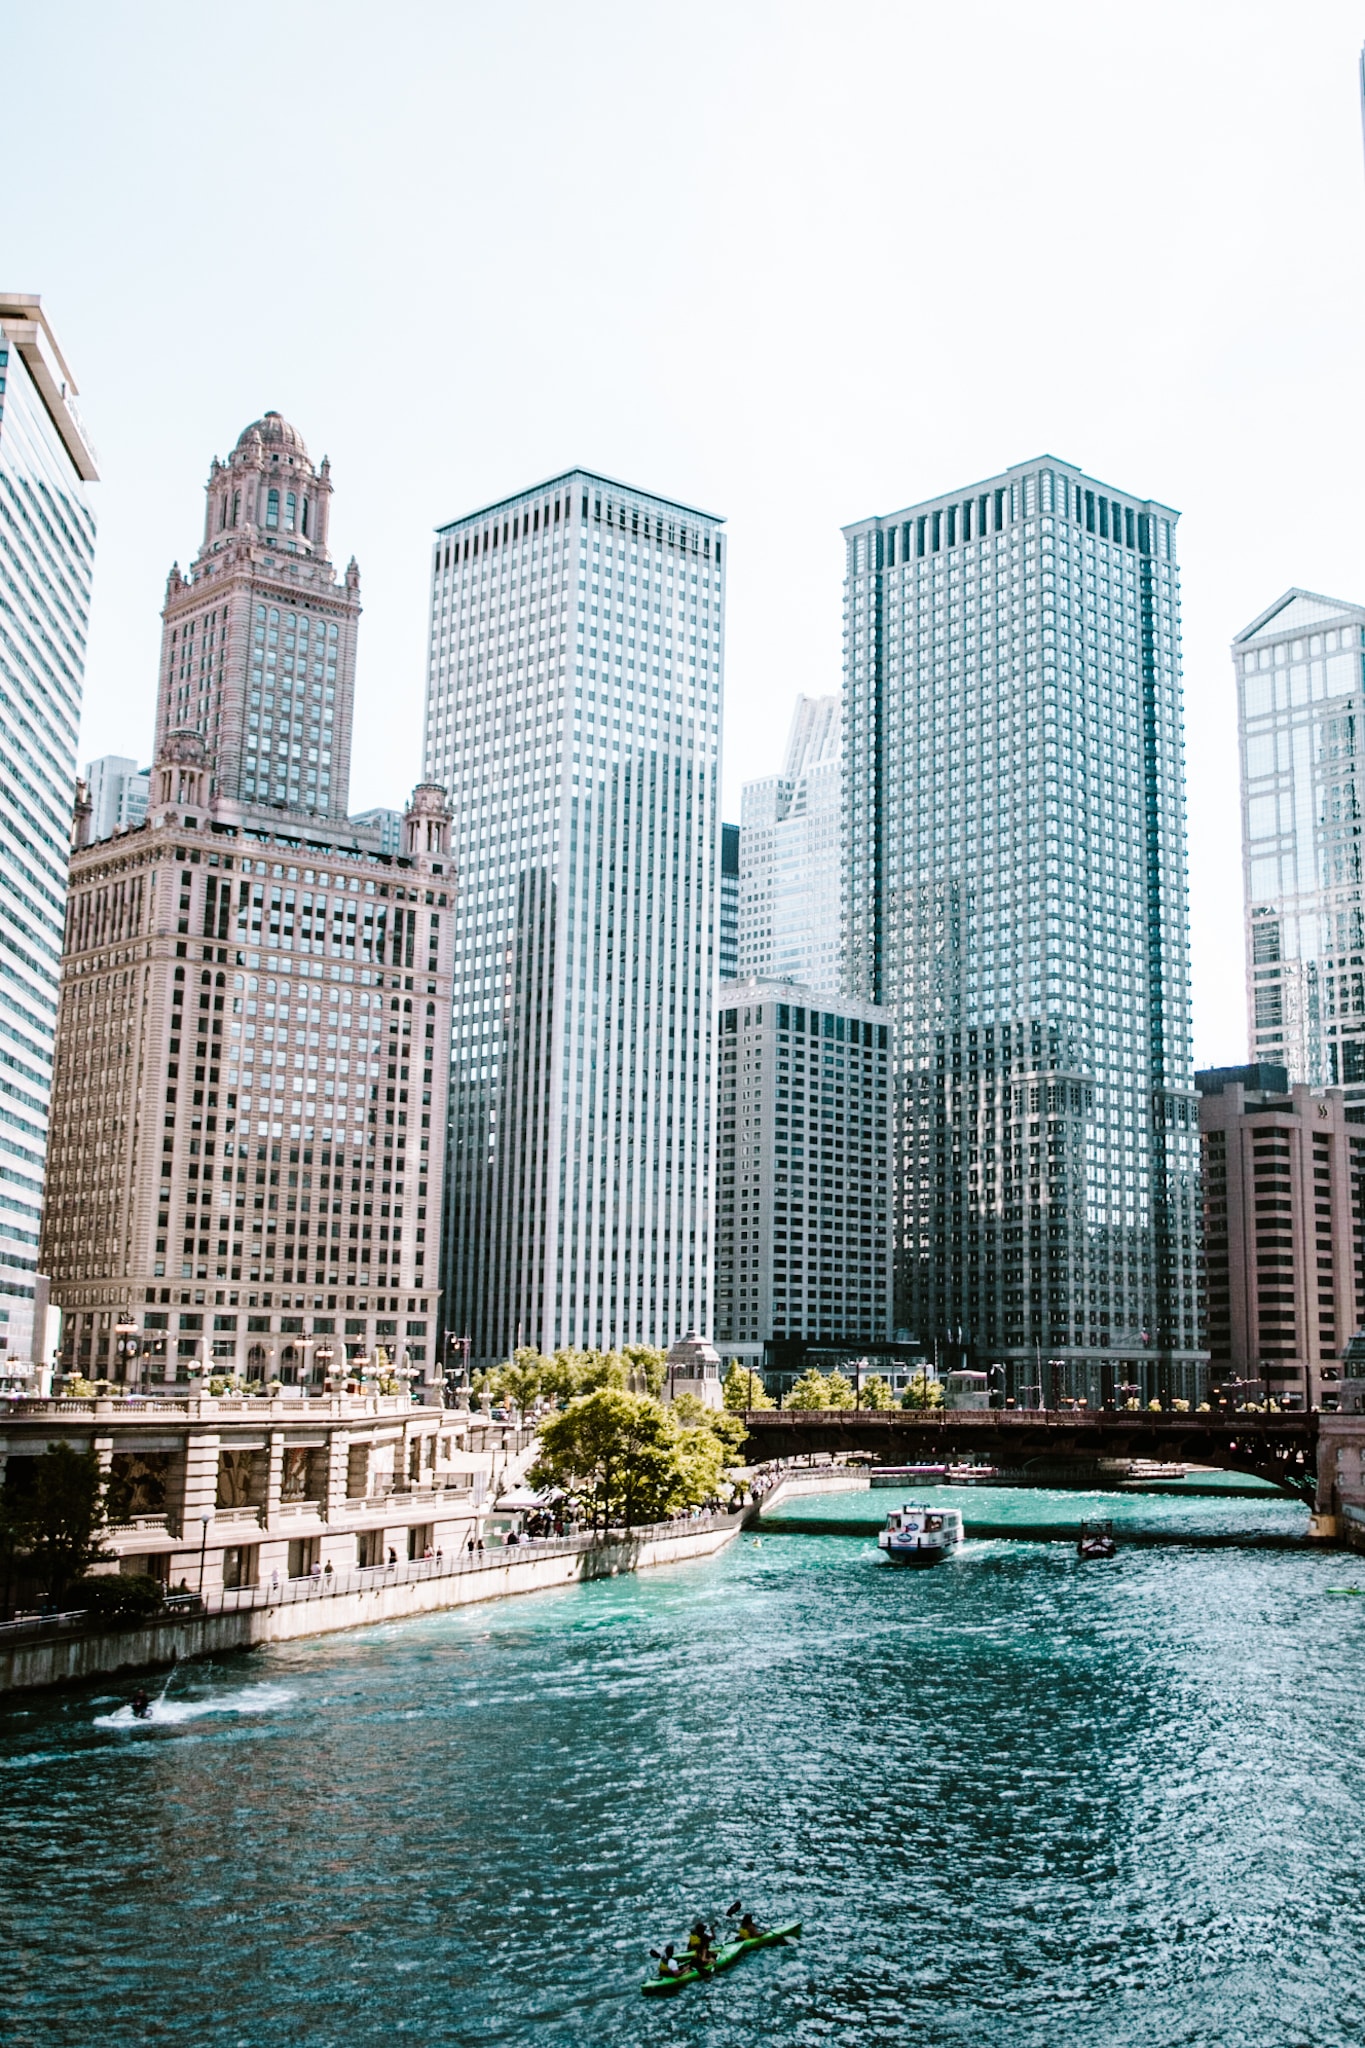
(1017, 1801)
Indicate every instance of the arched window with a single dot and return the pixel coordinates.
(236, 506)
(222, 512)
(290, 505)
(272, 508)
(304, 519)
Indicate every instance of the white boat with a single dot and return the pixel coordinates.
(920, 1535)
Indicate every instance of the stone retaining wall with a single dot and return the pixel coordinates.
(67, 1660)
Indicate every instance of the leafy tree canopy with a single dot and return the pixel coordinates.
(57, 1516)
(877, 1393)
(626, 1458)
(923, 1392)
(744, 1388)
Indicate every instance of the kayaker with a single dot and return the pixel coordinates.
(749, 1929)
(699, 1945)
(669, 1966)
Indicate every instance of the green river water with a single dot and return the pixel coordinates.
(1017, 1802)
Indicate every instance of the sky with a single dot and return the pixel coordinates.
(794, 264)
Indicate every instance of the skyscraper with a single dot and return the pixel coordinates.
(789, 860)
(727, 950)
(258, 642)
(1015, 896)
(573, 707)
(1301, 700)
(47, 547)
(118, 791)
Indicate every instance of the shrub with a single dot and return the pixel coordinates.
(126, 1597)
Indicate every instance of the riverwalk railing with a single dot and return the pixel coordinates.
(367, 1578)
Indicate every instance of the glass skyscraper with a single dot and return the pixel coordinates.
(573, 711)
(790, 878)
(1015, 895)
(47, 551)
(1301, 704)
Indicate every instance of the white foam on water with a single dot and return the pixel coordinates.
(173, 1713)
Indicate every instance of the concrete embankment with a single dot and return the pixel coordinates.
(311, 1609)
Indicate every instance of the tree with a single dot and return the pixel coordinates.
(625, 1457)
(691, 1412)
(57, 1517)
(810, 1391)
(877, 1393)
(744, 1388)
(647, 1368)
(923, 1392)
(840, 1390)
(521, 1381)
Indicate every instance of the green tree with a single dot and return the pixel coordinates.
(876, 1393)
(646, 1367)
(56, 1520)
(810, 1391)
(839, 1390)
(626, 1458)
(744, 1388)
(691, 1412)
(923, 1392)
(521, 1380)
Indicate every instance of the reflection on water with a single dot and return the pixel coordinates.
(1016, 1801)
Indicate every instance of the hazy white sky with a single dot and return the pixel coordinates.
(794, 264)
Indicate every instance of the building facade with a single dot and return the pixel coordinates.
(249, 1096)
(47, 548)
(573, 709)
(258, 642)
(117, 791)
(1284, 1232)
(727, 948)
(1301, 706)
(219, 1492)
(1014, 860)
(386, 825)
(803, 1203)
(790, 865)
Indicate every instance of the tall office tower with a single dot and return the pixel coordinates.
(789, 860)
(118, 791)
(1301, 699)
(1015, 874)
(387, 825)
(573, 708)
(1284, 1171)
(258, 642)
(727, 956)
(249, 1099)
(803, 1211)
(47, 548)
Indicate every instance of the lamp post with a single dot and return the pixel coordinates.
(204, 1521)
(126, 1347)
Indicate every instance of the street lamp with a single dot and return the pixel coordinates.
(204, 1521)
(126, 1348)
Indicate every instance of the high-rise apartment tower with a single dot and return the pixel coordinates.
(1015, 896)
(47, 548)
(258, 642)
(789, 882)
(118, 791)
(573, 708)
(1301, 701)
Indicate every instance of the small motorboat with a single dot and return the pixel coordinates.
(920, 1535)
(1096, 1540)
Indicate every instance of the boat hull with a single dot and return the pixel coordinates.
(917, 1554)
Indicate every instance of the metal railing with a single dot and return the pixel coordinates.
(322, 1585)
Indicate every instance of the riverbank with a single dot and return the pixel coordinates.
(313, 1607)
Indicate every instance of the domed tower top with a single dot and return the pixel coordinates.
(268, 492)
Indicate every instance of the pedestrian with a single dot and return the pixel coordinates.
(274, 1582)
(470, 1546)
(440, 1554)
(327, 1569)
(480, 1546)
(393, 1555)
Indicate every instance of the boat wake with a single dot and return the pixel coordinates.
(166, 1713)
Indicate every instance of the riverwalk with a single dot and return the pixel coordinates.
(65, 1649)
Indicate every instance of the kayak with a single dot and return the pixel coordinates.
(726, 1957)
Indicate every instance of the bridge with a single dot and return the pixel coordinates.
(1280, 1448)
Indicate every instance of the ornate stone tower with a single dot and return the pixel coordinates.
(258, 641)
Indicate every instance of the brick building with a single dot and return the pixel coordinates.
(1284, 1237)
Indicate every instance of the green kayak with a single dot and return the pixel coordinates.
(726, 1958)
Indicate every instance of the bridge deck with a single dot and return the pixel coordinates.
(1281, 1448)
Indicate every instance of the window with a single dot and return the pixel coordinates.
(272, 508)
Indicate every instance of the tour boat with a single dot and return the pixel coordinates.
(1096, 1540)
(920, 1535)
